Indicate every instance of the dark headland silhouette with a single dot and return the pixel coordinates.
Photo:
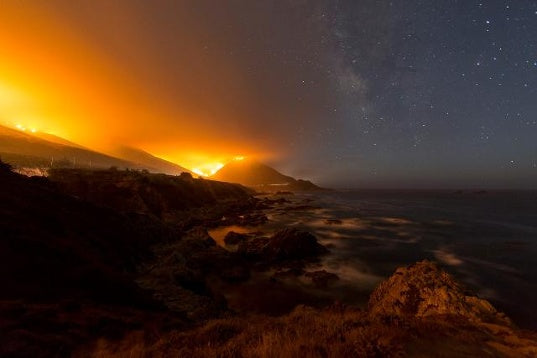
(254, 174)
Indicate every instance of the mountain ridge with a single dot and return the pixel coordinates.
(41, 150)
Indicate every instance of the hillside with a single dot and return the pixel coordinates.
(43, 150)
(261, 176)
(21, 149)
(152, 163)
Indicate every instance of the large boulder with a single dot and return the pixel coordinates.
(424, 290)
(291, 243)
(235, 238)
(287, 244)
(254, 248)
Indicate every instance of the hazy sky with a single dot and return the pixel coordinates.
(348, 93)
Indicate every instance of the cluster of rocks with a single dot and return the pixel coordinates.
(285, 245)
(183, 273)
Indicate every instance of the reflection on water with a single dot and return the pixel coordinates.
(488, 241)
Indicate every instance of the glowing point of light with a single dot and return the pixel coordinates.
(199, 172)
(239, 157)
(216, 168)
(207, 170)
(24, 129)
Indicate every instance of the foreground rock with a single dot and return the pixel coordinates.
(420, 311)
(423, 290)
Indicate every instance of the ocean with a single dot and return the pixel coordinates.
(486, 239)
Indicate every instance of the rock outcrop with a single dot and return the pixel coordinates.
(424, 290)
(182, 270)
(235, 238)
(420, 311)
(285, 245)
(164, 196)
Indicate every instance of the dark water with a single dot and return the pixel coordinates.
(487, 240)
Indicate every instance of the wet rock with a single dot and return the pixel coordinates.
(322, 278)
(235, 238)
(287, 244)
(424, 290)
(253, 249)
(291, 243)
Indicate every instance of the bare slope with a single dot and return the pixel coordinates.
(148, 160)
(25, 150)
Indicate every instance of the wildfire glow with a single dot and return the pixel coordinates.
(57, 79)
(207, 170)
(24, 128)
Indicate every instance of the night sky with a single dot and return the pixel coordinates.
(369, 93)
(440, 93)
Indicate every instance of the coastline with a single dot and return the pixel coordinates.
(154, 276)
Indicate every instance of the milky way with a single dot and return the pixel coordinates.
(433, 93)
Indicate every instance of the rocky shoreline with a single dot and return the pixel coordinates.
(419, 311)
(122, 263)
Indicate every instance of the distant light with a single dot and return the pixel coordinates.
(208, 169)
(216, 168)
(24, 129)
(199, 172)
(239, 157)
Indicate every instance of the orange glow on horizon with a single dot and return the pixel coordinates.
(203, 164)
(208, 169)
(56, 78)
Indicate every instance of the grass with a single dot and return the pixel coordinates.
(306, 332)
(333, 332)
